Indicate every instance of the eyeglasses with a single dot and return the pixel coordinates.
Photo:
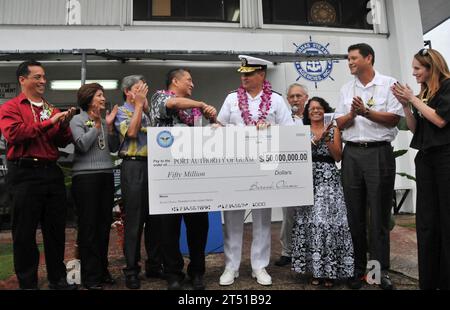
(316, 109)
(423, 52)
(296, 96)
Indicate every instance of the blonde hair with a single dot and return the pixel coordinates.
(439, 72)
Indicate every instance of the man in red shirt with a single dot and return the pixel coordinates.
(34, 130)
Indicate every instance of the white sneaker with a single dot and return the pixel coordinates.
(262, 277)
(228, 276)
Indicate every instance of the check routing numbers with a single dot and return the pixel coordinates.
(284, 157)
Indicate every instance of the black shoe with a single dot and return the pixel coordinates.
(108, 279)
(132, 282)
(355, 283)
(386, 283)
(174, 285)
(283, 261)
(31, 288)
(62, 285)
(158, 274)
(94, 287)
(197, 283)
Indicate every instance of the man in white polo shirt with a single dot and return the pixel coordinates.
(370, 116)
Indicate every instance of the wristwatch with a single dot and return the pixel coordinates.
(366, 112)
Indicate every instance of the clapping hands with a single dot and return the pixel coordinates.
(139, 96)
(110, 117)
(403, 93)
(325, 135)
(63, 117)
(358, 106)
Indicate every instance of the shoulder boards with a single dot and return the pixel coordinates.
(277, 93)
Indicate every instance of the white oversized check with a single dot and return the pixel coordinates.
(202, 169)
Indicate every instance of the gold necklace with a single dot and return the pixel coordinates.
(34, 113)
(101, 140)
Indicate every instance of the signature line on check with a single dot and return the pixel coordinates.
(188, 193)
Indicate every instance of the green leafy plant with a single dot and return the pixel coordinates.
(399, 153)
(410, 177)
(7, 260)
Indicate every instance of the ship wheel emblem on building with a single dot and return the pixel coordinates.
(314, 70)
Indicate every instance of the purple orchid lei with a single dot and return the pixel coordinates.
(264, 106)
(187, 118)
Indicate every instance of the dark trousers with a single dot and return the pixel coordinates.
(134, 185)
(197, 225)
(94, 198)
(38, 195)
(368, 176)
(433, 218)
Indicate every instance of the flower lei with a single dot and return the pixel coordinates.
(45, 114)
(89, 123)
(264, 106)
(186, 118)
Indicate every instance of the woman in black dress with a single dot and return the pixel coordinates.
(428, 117)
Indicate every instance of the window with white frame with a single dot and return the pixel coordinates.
(187, 10)
(354, 14)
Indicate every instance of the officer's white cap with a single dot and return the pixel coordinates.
(251, 64)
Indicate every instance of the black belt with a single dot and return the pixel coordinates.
(367, 144)
(323, 159)
(27, 162)
(138, 158)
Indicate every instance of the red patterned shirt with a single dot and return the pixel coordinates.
(30, 135)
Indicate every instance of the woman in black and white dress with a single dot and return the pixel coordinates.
(321, 239)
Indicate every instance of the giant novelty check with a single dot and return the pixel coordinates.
(202, 169)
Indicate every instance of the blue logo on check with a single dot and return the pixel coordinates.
(165, 139)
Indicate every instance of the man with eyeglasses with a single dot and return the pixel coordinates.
(34, 129)
(297, 96)
(370, 114)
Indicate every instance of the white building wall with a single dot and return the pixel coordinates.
(65, 12)
(404, 41)
(47, 12)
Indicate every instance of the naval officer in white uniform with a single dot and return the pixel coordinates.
(253, 104)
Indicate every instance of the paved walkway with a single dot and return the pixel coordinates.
(403, 264)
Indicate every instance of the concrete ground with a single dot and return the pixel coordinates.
(403, 263)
